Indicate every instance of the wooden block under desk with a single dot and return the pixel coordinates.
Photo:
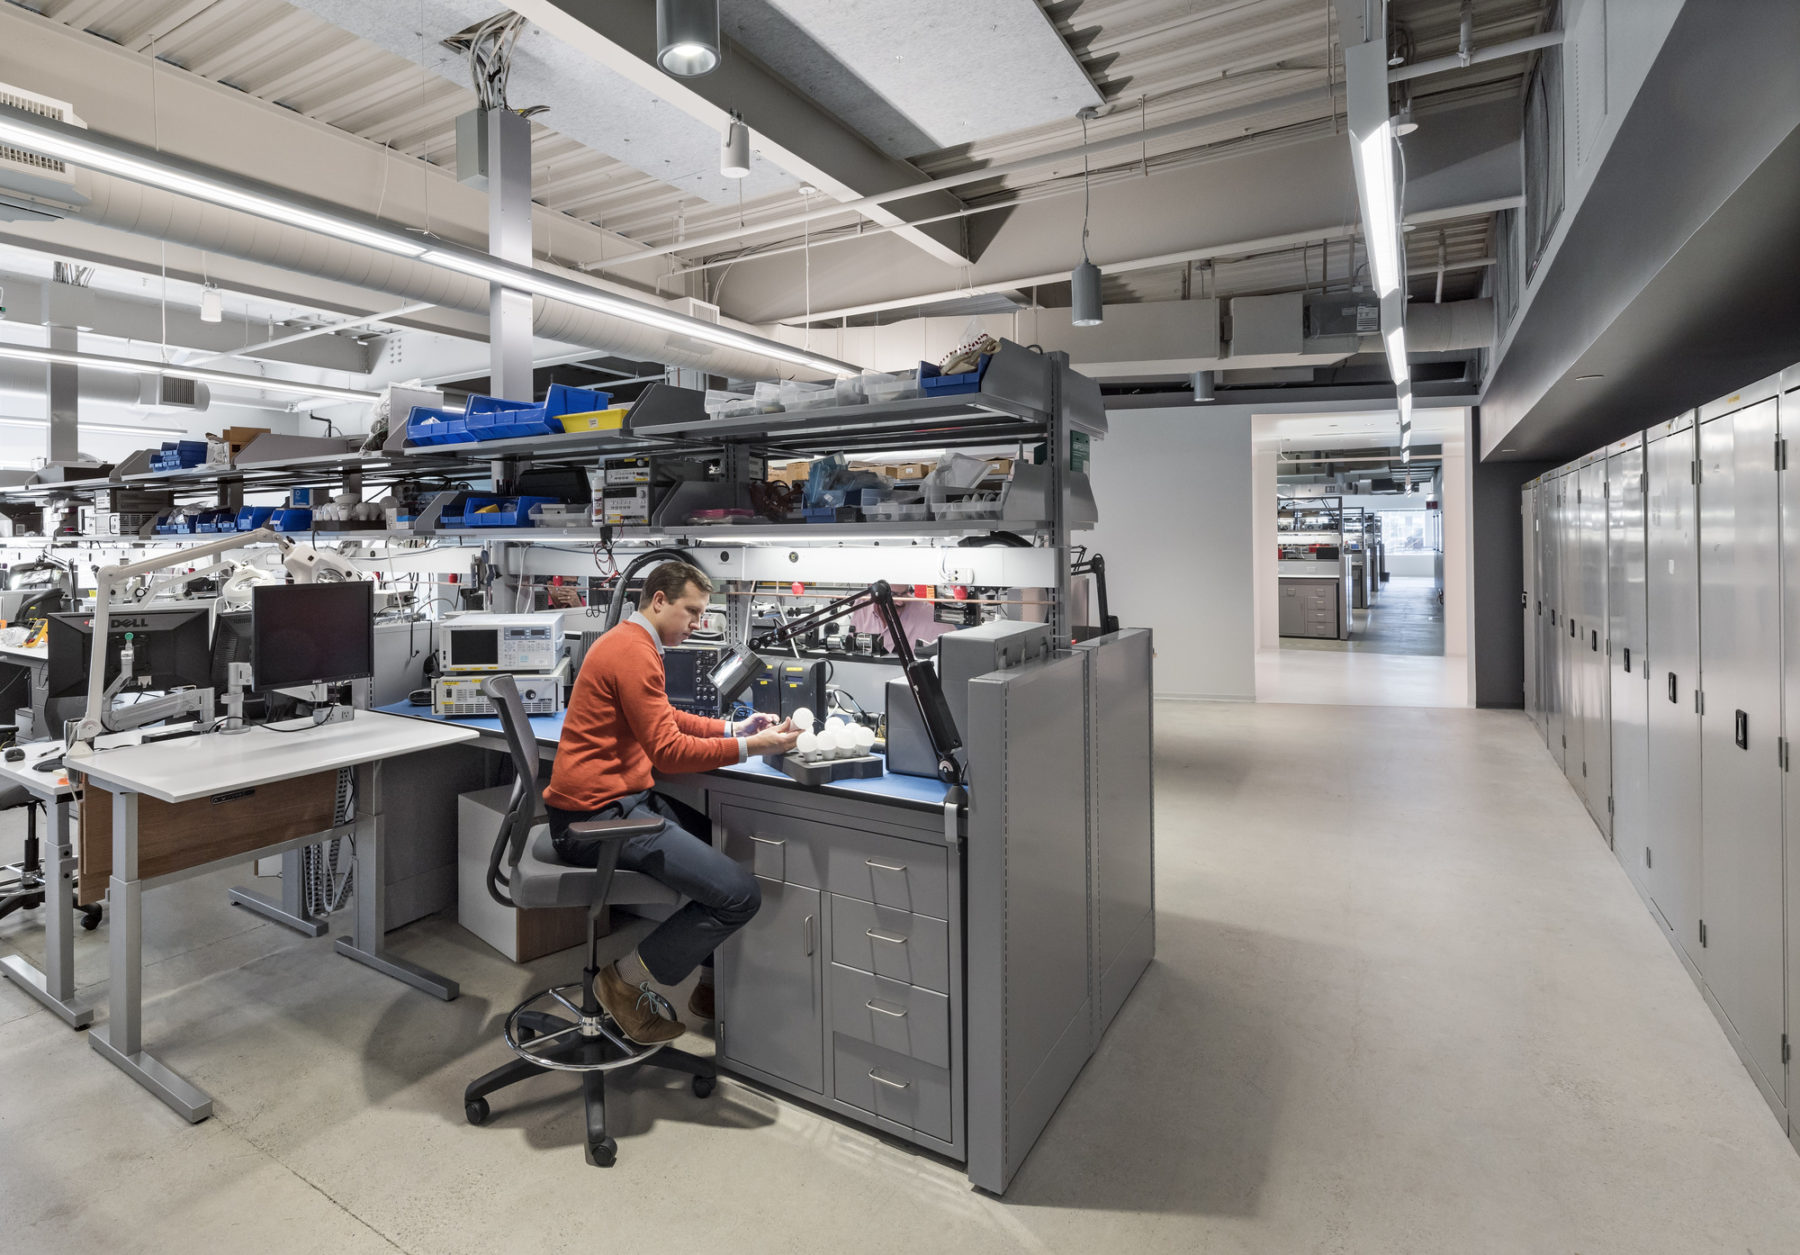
(176, 836)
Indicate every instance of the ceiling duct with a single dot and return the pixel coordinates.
(26, 379)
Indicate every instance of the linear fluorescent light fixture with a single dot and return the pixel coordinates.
(223, 378)
(126, 160)
(110, 429)
(1396, 356)
(1375, 156)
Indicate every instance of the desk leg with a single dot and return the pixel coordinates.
(370, 918)
(120, 1038)
(291, 911)
(55, 985)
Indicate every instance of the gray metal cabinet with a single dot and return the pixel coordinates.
(1529, 601)
(1627, 628)
(1310, 607)
(1742, 944)
(1556, 627)
(1672, 591)
(1591, 645)
(1789, 419)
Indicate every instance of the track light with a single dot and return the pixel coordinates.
(687, 37)
(212, 305)
(1203, 386)
(734, 153)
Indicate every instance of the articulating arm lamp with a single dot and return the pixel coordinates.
(306, 564)
(741, 665)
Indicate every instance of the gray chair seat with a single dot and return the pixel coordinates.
(542, 880)
(13, 795)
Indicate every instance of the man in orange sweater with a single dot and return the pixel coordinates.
(619, 728)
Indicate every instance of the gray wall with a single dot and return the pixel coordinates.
(1174, 490)
(1499, 567)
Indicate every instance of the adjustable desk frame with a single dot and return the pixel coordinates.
(55, 985)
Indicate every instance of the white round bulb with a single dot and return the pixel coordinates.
(807, 744)
(803, 718)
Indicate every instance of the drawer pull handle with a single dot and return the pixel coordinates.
(766, 840)
(879, 1079)
(876, 1006)
(885, 867)
(887, 937)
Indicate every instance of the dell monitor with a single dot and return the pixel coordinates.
(306, 634)
(171, 649)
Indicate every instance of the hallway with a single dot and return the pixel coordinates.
(1406, 617)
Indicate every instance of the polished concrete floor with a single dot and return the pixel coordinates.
(1339, 678)
(1405, 617)
(1404, 1002)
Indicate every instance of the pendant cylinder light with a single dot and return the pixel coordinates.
(212, 305)
(734, 153)
(1203, 386)
(1084, 285)
(687, 37)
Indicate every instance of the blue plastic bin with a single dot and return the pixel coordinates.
(513, 511)
(427, 426)
(291, 519)
(937, 384)
(252, 517)
(490, 418)
(566, 400)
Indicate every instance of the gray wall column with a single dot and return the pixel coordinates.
(62, 384)
(509, 238)
(1498, 570)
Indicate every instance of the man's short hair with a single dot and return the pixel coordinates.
(671, 579)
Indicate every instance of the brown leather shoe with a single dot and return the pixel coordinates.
(634, 1009)
(700, 1002)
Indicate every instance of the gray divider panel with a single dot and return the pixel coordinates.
(1122, 795)
(1030, 961)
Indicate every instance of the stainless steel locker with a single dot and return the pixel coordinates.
(1555, 723)
(1741, 946)
(1572, 639)
(1672, 594)
(1789, 419)
(1627, 674)
(1591, 648)
(1546, 620)
(1528, 598)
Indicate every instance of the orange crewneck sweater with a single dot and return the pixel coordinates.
(620, 727)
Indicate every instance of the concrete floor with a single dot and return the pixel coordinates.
(1404, 1001)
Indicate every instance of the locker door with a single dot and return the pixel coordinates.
(1740, 717)
(1554, 653)
(1527, 602)
(1546, 619)
(1790, 550)
(1573, 637)
(1627, 683)
(1596, 733)
(1672, 592)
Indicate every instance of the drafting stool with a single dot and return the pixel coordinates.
(525, 872)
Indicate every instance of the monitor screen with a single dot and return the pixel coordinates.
(681, 674)
(171, 648)
(474, 646)
(312, 633)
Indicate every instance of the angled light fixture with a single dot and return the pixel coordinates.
(111, 155)
(1396, 355)
(212, 305)
(687, 37)
(223, 378)
(1085, 308)
(734, 152)
(1375, 158)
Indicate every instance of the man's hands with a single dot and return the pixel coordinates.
(776, 740)
(754, 724)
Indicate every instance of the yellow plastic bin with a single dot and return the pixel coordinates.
(595, 420)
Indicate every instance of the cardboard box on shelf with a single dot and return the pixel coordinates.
(1000, 466)
(791, 472)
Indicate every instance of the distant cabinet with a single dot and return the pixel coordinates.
(1310, 607)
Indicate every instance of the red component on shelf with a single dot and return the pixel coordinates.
(960, 591)
(798, 588)
(922, 591)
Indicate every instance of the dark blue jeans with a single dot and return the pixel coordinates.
(722, 895)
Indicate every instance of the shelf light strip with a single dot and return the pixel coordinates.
(223, 378)
(114, 156)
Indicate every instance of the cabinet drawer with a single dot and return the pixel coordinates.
(896, 944)
(906, 875)
(902, 1018)
(774, 847)
(906, 1091)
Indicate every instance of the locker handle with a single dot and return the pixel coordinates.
(1627, 660)
(1596, 645)
(1672, 696)
(1572, 627)
(1743, 730)
(809, 934)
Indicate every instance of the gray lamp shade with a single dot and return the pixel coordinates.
(1084, 285)
(734, 153)
(687, 37)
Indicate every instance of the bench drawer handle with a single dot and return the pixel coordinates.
(891, 940)
(884, 867)
(876, 1006)
(880, 1079)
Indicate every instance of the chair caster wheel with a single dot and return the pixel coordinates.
(603, 1153)
(90, 918)
(704, 1086)
(477, 1111)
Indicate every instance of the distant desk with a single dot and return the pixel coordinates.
(37, 653)
(892, 787)
(215, 766)
(55, 985)
(32, 666)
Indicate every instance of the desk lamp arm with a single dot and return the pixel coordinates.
(921, 676)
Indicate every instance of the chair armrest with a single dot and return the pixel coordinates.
(619, 828)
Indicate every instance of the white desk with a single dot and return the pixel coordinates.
(197, 767)
(38, 653)
(55, 985)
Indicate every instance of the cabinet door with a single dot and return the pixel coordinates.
(1627, 674)
(1672, 588)
(771, 989)
(1740, 711)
